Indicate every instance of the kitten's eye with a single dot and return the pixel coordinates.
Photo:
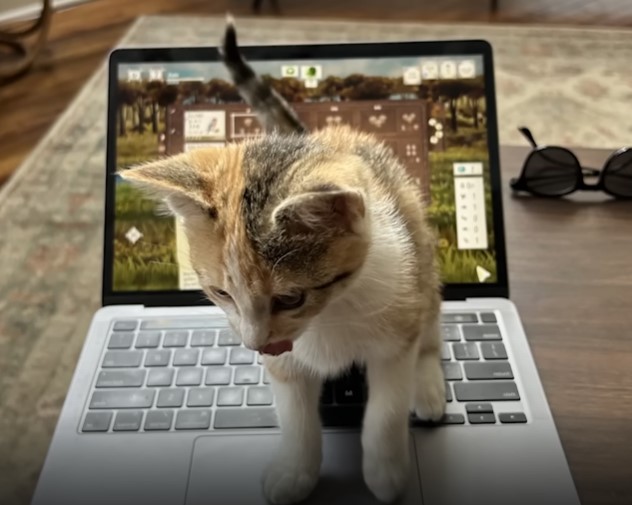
(220, 293)
(288, 302)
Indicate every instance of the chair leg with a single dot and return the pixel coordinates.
(256, 6)
(23, 53)
(493, 6)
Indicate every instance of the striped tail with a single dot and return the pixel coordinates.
(274, 113)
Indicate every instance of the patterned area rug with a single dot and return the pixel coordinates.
(568, 85)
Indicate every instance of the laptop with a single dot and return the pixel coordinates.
(167, 407)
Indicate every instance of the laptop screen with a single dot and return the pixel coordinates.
(431, 110)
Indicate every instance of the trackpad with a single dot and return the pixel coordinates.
(227, 469)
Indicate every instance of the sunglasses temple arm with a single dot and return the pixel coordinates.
(528, 135)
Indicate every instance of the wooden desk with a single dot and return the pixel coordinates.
(570, 275)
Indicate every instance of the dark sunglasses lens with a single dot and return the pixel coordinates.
(617, 177)
(552, 171)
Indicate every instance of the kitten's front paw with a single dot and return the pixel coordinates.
(386, 477)
(430, 390)
(285, 482)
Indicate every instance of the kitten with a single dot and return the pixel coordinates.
(316, 247)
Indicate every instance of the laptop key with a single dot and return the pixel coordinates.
(452, 318)
(484, 371)
(246, 418)
(228, 337)
(513, 417)
(158, 420)
(453, 419)
(122, 359)
(481, 418)
(170, 398)
(213, 356)
(189, 377)
(479, 408)
(175, 339)
(127, 325)
(266, 377)
(96, 421)
(446, 419)
(482, 332)
(148, 340)
(203, 338)
(446, 355)
(128, 420)
(488, 317)
(450, 332)
(193, 420)
(230, 397)
(200, 397)
(448, 392)
(185, 357)
(241, 356)
(493, 350)
(158, 358)
(350, 416)
(259, 395)
(138, 399)
(247, 375)
(485, 391)
(452, 371)
(217, 376)
(467, 351)
(326, 394)
(160, 377)
(120, 378)
(121, 340)
(183, 323)
(348, 392)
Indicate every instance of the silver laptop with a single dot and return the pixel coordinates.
(167, 407)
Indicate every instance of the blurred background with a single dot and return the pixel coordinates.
(55, 58)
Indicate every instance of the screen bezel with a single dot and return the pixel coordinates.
(457, 291)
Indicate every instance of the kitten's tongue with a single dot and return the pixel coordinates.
(277, 348)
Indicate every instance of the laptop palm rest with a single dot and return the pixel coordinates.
(226, 470)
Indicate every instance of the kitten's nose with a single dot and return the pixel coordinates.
(254, 337)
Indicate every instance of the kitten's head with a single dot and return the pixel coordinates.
(274, 235)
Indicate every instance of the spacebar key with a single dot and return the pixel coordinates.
(183, 324)
(245, 418)
(486, 391)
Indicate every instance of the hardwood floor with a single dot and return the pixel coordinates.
(81, 38)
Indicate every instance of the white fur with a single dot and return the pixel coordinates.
(352, 326)
(294, 471)
(352, 329)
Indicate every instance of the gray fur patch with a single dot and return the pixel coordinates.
(270, 166)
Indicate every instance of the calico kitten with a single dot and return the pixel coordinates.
(316, 247)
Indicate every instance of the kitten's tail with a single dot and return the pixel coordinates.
(271, 109)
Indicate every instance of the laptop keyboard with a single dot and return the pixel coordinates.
(193, 374)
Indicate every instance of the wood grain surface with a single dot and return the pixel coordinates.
(81, 38)
(570, 271)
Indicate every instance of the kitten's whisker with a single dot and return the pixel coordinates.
(376, 280)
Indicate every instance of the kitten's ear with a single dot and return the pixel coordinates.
(327, 208)
(178, 180)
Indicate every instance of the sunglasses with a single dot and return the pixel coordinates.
(555, 171)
